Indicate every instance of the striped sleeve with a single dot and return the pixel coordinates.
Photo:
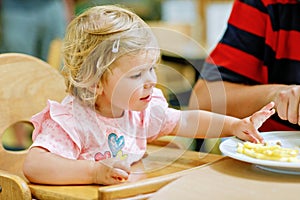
(260, 42)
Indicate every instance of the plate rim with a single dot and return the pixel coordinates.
(269, 163)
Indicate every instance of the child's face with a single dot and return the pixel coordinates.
(131, 83)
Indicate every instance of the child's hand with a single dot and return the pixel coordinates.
(111, 171)
(246, 129)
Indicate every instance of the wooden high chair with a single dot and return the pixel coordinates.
(26, 83)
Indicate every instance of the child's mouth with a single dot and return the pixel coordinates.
(147, 98)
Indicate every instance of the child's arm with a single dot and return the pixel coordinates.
(43, 167)
(204, 124)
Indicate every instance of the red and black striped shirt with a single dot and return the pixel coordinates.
(261, 45)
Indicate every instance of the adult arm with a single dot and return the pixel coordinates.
(241, 100)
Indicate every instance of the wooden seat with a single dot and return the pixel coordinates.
(26, 83)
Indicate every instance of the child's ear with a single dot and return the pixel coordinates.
(99, 88)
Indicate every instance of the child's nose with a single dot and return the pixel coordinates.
(149, 85)
(150, 80)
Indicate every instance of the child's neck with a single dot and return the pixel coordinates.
(107, 111)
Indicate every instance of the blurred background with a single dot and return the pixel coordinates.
(186, 30)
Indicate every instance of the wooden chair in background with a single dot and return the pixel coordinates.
(26, 83)
(55, 54)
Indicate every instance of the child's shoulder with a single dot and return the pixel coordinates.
(64, 107)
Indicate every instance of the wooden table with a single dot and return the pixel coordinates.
(231, 179)
(169, 163)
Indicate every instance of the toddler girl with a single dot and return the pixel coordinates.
(113, 108)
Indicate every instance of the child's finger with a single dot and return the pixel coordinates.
(119, 175)
(261, 116)
(269, 106)
(251, 134)
(123, 165)
(255, 137)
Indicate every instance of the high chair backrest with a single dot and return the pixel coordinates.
(26, 83)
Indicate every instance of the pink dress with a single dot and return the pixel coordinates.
(75, 131)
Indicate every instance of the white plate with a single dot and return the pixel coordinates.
(289, 139)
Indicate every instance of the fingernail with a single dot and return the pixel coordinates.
(121, 179)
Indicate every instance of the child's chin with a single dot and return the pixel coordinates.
(141, 108)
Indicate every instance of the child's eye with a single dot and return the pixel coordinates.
(152, 68)
(136, 75)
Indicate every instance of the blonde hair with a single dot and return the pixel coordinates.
(94, 40)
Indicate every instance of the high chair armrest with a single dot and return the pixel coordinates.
(174, 142)
(13, 187)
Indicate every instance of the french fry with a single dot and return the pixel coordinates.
(268, 152)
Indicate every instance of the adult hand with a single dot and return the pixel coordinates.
(287, 104)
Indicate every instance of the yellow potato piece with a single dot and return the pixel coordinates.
(268, 152)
